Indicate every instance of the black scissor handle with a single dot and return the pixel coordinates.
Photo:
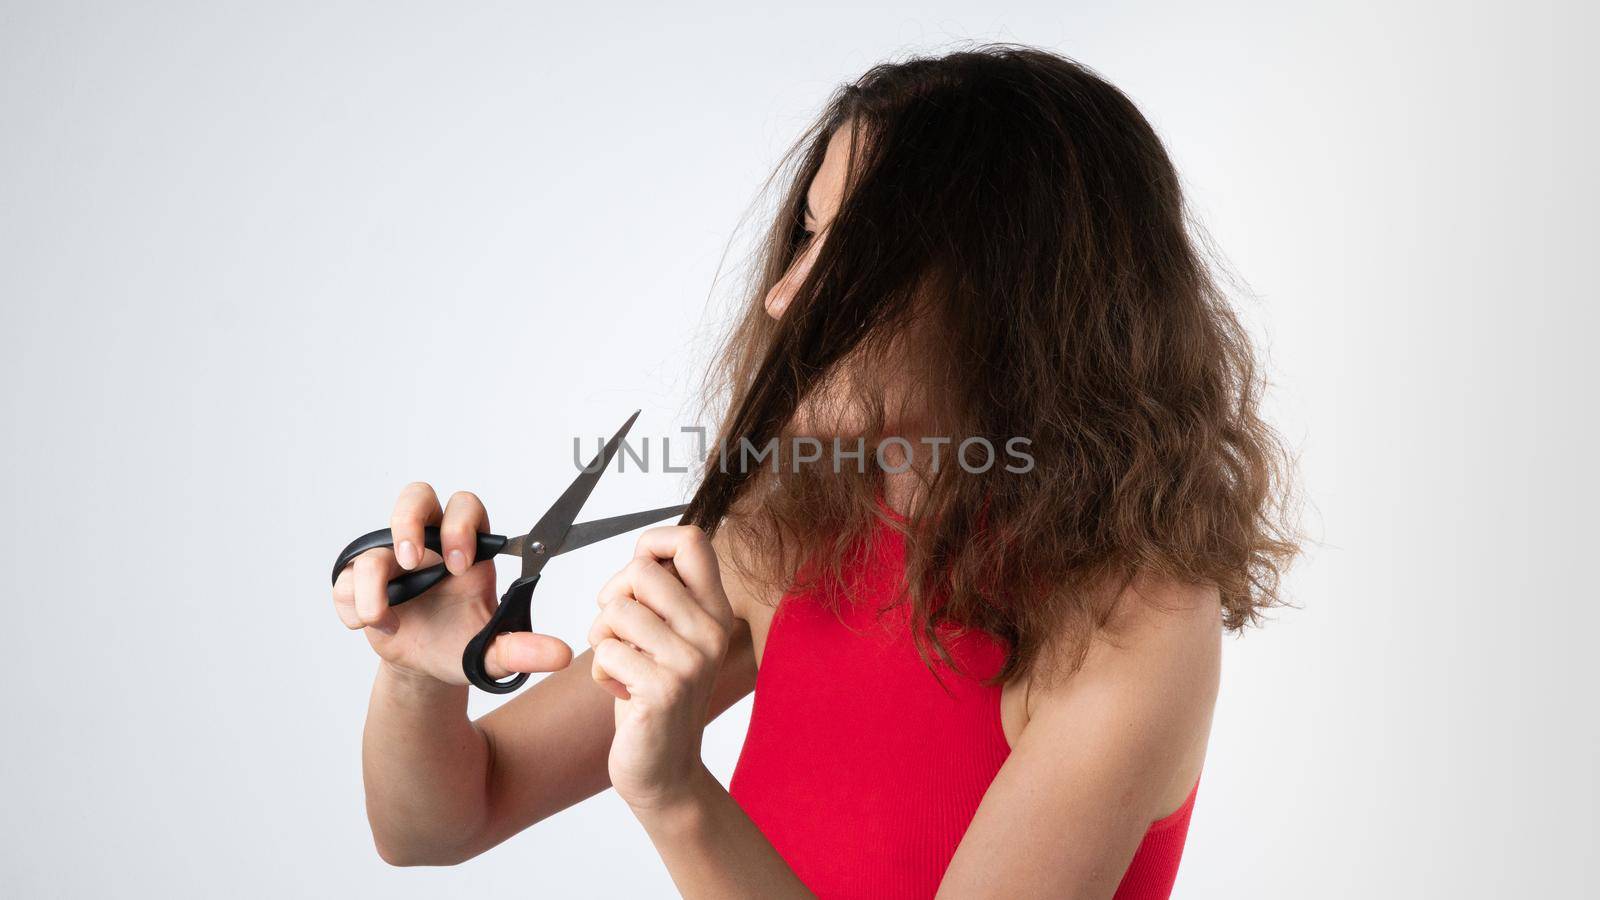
(412, 584)
(513, 614)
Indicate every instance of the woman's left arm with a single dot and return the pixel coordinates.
(1101, 756)
(659, 641)
(1100, 752)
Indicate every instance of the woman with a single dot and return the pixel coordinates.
(970, 680)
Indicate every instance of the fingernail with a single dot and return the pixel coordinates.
(458, 562)
(406, 554)
(388, 626)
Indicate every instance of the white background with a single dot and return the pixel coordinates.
(261, 264)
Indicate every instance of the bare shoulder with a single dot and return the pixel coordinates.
(1161, 634)
(745, 596)
(1163, 618)
(753, 603)
(1146, 685)
(737, 677)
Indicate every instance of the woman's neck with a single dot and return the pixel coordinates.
(902, 488)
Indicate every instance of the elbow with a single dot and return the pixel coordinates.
(396, 855)
(405, 854)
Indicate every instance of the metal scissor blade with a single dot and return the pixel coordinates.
(585, 533)
(551, 530)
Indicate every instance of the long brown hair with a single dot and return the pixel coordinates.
(1013, 246)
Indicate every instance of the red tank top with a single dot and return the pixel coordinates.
(861, 769)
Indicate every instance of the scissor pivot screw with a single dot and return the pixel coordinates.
(537, 547)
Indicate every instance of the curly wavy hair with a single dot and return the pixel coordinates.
(1011, 258)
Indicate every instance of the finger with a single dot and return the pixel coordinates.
(464, 517)
(417, 507)
(648, 582)
(524, 651)
(690, 553)
(344, 600)
(635, 624)
(616, 661)
(370, 573)
(387, 624)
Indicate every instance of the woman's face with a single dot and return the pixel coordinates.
(832, 410)
(822, 202)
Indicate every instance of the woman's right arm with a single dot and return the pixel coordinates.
(441, 788)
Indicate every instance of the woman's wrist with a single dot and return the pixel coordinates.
(711, 848)
(682, 810)
(413, 686)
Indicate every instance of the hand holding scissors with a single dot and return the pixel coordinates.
(462, 603)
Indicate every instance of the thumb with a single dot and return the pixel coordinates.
(524, 651)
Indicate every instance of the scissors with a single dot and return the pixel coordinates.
(553, 535)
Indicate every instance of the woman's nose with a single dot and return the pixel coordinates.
(781, 294)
